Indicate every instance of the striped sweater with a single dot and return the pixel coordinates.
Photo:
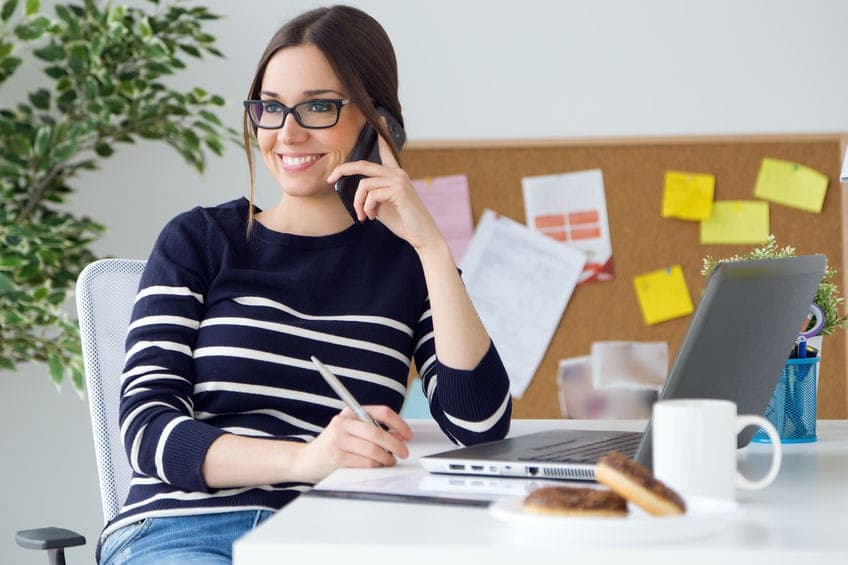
(221, 334)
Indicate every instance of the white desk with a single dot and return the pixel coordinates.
(802, 518)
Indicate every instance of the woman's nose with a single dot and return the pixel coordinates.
(292, 131)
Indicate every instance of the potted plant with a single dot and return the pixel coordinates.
(793, 406)
(105, 83)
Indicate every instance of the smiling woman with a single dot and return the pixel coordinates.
(222, 413)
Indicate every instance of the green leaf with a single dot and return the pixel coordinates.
(32, 29)
(55, 72)
(8, 9)
(50, 53)
(42, 141)
(144, 28)
(31, 7)
(103, 149)
(78, 379)
(9, 261)
(64, 151)
(40, 99)
(209, 116)
(7, 284)
(5, 49)
(57, 368)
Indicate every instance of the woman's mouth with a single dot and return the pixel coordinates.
(298, 162)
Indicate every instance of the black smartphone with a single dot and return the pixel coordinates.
(366, 149)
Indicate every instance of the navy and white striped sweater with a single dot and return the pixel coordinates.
(220, 340)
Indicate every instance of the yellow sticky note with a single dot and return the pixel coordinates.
(663, 295)
(688, 196)
(791, 184)
(736, 221)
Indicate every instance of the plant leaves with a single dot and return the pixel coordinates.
(8, 9)
(31, 7)
(57, 368)
(42, 141)
(50, 53)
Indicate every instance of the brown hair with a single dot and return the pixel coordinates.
(361, 54)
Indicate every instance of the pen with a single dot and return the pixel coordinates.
(345, 394)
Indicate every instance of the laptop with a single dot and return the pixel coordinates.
(735, 348)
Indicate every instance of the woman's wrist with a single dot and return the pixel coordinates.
(435, 251)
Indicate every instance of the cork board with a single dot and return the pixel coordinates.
(642, 240)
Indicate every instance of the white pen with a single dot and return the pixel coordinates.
(345, 394)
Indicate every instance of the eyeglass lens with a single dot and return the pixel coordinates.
(309, 114)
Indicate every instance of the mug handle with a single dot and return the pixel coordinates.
(743, 422)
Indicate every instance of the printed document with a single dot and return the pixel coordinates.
(572, 208)
(520, 283)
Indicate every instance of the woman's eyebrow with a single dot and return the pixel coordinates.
(315, 92)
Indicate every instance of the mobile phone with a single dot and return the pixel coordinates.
(367, 149)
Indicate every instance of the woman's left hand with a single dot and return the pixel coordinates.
(388, 195)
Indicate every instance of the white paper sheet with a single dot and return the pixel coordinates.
(572, 208)
(520, 282)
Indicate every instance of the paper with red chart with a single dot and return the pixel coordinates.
(572, 208)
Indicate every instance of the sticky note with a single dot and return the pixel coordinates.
(688, 196)
(663, 295)
(791, 184)
(736, 221)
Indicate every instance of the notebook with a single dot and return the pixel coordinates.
(735, 348)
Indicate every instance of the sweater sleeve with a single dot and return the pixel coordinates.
(470, 406)
(160, 434)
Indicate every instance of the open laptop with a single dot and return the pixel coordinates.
(735, 348)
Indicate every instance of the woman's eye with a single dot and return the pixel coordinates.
(272, 107)
(318, 106)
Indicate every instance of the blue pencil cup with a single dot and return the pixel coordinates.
(792, 408)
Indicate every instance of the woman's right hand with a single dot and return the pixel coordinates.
(349, 442)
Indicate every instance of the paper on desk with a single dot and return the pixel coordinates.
(791, 184)
(736, 221)
(520, 283)
(688, 196)
(844, 176)
(449, 203)
(572, 208)
(419, 483)
(663, 295)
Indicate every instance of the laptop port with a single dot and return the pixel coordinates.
(476, 467)
(456, 467)
(533, 471)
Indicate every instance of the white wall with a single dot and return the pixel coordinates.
(469, 69)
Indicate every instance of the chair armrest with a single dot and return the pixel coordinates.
(48, 538)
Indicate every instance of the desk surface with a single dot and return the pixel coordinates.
(799, 519)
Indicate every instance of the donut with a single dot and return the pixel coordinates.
(637, 484)
(573, 501)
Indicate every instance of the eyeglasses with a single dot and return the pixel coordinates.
(313, 114)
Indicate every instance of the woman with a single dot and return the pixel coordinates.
(223, 416)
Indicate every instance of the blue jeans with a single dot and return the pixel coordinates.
(198, 538)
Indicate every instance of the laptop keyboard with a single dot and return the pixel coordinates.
(577, 452)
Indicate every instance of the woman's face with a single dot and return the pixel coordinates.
(301, 159)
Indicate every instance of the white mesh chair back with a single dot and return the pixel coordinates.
(106, 291)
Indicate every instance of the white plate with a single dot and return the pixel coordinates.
(703, 517)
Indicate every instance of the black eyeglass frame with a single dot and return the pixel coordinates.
(339, 103)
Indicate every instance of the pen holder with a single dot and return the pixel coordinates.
(792, 408)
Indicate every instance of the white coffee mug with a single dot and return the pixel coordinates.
(694, 447)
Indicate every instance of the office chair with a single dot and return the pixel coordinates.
(105, 295)
(106, 291)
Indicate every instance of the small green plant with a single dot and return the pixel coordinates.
(827, 296)
(106, 73)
